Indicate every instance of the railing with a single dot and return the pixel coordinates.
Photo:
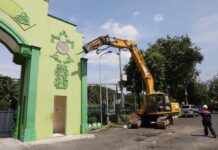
(111, 109)
(97, 109)
(94, 113)
(6, 121)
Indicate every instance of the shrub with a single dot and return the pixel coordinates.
(4, 105)
(92, 119)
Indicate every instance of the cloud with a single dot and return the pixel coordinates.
(7, 67)
(109, 66)
(119, 30)
(10, 69)
(90, 30)
(135, 13)
(109, 62)
(205, 31)
(207, 21)
(111, 59)
(158, 18)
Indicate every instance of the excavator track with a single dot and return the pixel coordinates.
(161, 122)
(164, 121)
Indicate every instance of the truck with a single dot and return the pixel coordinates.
(188, 110)
(156, 108)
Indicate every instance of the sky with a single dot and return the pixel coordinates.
(143, 21)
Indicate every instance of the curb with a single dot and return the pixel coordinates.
(61, 139)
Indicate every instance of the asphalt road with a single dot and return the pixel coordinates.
(186, 134)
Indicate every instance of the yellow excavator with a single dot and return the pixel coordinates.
(157, 108)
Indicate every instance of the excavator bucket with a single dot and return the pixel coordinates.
(95, 44)
(134, 121)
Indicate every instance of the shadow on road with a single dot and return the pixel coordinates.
(198, 135)
(202, 135)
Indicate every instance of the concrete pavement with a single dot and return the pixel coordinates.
(187, 133)
(13, 144)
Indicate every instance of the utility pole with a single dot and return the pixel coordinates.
(121, 79)
(186, 96)
(186, 93)
(107, 104)
(100, 92)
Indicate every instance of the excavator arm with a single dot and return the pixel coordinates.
(132, 47)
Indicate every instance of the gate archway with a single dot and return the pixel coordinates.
(52, 56)
(28, 57)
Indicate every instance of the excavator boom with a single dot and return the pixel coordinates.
(127, 44)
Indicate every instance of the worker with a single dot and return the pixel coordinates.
(206, 121)
(160, 106)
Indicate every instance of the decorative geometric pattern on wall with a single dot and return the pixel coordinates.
(62, 36)
(63, 59)
(22, 18)
(17, 13)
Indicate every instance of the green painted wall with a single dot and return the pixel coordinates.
(47, 77)
(38, 30)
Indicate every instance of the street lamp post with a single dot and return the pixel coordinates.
(100, 81)
(186, 93)
(121, 79)
(107, 108)
(186, 96)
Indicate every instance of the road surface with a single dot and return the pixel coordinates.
(186, 134)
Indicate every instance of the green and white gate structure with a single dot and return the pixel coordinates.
(48, 50)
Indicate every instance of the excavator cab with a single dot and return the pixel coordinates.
(157, 102)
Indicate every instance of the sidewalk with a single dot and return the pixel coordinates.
(13, 144)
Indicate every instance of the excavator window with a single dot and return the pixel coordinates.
(160, 103)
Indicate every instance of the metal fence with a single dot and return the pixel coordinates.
(6, 121)
(97, 109)
(94, 112)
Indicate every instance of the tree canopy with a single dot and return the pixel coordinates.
(213, 89)
(9, 91)
(172, 62)
(197, 93)
(94, 95)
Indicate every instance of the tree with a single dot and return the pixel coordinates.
(198, 93)
(157, 70)
(172, 62)
(94, 95)
(181, 57)
(134, 81)
(213, 90)
(9, 91)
